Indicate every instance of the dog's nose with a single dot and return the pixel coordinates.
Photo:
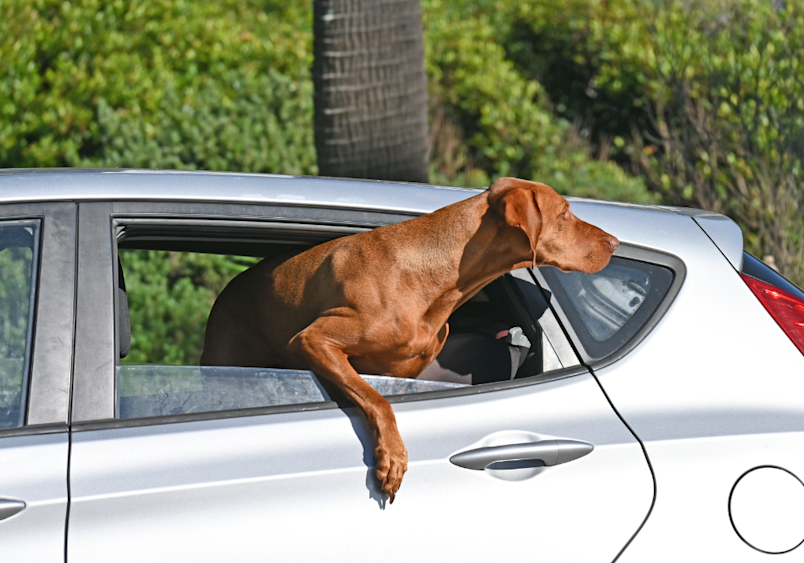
(612, 242)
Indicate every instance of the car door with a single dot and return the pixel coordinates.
(713, 387)
(37, 270)
(295, 481)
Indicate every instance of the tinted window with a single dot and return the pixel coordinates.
(19, 244)
(605, 310)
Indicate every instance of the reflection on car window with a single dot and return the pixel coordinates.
(19, 244)
(168, 390)
(605, 301)
(607, 308)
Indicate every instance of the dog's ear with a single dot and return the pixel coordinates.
(515, 201)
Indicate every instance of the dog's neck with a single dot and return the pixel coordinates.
(466, 246)
(492, 248)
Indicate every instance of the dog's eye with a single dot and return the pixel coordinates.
(566, 215)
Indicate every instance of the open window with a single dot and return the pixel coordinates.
(170, 272)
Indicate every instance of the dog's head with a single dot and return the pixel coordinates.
(556, 236)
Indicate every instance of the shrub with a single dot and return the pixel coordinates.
(170, 295)
(725, 98)
(488, 120)
(112, 83)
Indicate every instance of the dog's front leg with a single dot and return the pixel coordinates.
(324, 355)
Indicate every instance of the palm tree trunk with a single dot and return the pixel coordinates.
(370, 89)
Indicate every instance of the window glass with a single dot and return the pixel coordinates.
(19, 244)
(607, 308)
(166, 390)
(605, 302)
(167, 288)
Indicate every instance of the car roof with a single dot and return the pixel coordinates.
(74, 184)
(83, 184)
(23, 185)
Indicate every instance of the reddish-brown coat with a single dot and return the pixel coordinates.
(378, 302)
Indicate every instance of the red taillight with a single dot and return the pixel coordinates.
(787, 310)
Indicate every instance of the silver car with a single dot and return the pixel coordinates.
(651, 412)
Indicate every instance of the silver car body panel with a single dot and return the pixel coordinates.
(224, 187)
(33, 470)
(171, 185)
(300, 486)
(708, 404)
(726, 235)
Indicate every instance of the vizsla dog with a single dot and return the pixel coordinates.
(377, 302)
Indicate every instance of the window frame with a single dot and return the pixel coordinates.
(629, 252)
(100, 225)
(50, 364)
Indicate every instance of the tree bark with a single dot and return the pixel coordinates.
(370, 89)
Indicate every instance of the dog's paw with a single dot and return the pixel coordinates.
(391, 466)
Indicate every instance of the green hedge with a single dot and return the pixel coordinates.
(226, 86)
(159, 83)
(170, 295)
(722, 85)
(490, 120)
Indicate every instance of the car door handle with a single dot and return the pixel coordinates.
(549, 452)
(9, 508)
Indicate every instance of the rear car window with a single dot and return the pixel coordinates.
(604, 311)
(19, 249)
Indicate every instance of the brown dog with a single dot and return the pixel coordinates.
(377, 302)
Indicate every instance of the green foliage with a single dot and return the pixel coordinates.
(170, 295)
(221, 85)
(248, 133)
(724, 91)
(489, 120)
